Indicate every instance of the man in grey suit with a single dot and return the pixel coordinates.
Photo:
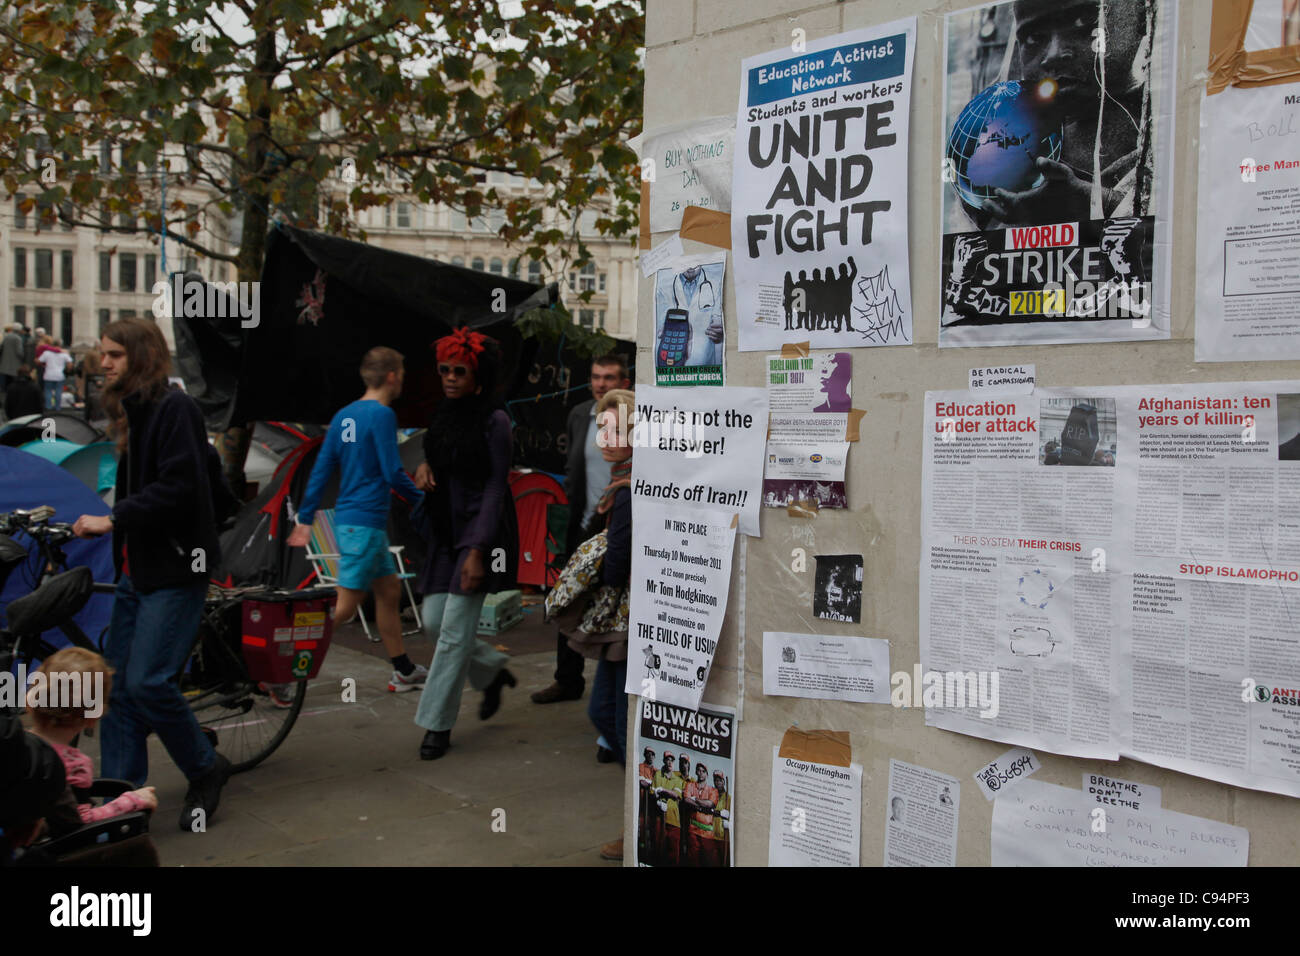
(586, 475)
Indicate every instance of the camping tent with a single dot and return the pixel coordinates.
(71, 428)
(537, 496)
(325, 301)
(27, 481)
(94, 465)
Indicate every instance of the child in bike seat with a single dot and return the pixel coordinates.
(66, 696)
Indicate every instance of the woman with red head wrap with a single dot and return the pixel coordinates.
(469, 519)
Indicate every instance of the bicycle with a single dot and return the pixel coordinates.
(248, 718)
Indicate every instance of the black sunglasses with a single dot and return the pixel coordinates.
(460, 370)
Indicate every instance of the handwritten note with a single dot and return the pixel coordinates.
(1040, 824)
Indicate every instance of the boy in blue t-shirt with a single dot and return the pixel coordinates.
(362, 444)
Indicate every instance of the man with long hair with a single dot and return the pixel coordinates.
(164, 540)
(362, 444)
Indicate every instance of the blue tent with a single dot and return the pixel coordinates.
(27, 481)
(95, 465)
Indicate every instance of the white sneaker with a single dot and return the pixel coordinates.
(400, 683)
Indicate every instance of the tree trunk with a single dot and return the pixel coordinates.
(254, 182)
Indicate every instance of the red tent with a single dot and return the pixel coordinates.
(535, 492)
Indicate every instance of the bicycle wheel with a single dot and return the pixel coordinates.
(250, 719)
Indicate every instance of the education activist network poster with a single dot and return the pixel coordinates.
(819, 192)
(1056, 172)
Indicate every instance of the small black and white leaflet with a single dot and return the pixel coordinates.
(837, 595)
(921, 814)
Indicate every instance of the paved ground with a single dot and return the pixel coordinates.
(348, 788)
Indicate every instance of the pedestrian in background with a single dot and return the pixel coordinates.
(586, 476)
(470, 523)
(164, 539)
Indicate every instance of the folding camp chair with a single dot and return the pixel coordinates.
(323, 553)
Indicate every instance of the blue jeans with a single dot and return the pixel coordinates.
(608, 706)
(452, 621)
(52, 392)
(149, 638)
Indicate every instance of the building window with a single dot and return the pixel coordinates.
(191, 264)
(44, 317)
(125, 220)
(513, 270)
(587, 278)
(600, 319)
(126, 272)
(65, 214)
(602, 282)
(105, 271)
(535, 273)
(496, 219)
(65, 326)
(20, 217)
(477, 264)
(45, 268)
(20, 315)
(496, 267)
(586, 317)
(573, 282)
(65, 264)
(45, 214)
(403, 215)
(20, 268)
(105, 317)
(150, 272)
(105, 156)
(458, 261)
(126, 314)
(458, 221)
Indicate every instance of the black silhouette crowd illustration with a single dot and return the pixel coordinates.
(824, 301)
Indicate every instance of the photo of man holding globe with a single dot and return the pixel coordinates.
(1057, 116)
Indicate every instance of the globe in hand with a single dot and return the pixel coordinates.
(998, 137)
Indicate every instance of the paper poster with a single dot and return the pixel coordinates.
(837, 594)
(819, 192)
(921, 814)
(1040, 824)
(1003, 379)
(1114, 792)
(1006, 771)
(1057, 167)
(681, 573)
(826, 667)
(1124, 561)
(808, 470)
(816, 813)
(1248, 220)
(662, 255)
(801, 429)
(687, 165)
(689, 329)
(701, 448)
(685, 773)
(819, 383)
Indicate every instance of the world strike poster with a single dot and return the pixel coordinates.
(1056, 172)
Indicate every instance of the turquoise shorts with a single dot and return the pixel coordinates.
(363, 556)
